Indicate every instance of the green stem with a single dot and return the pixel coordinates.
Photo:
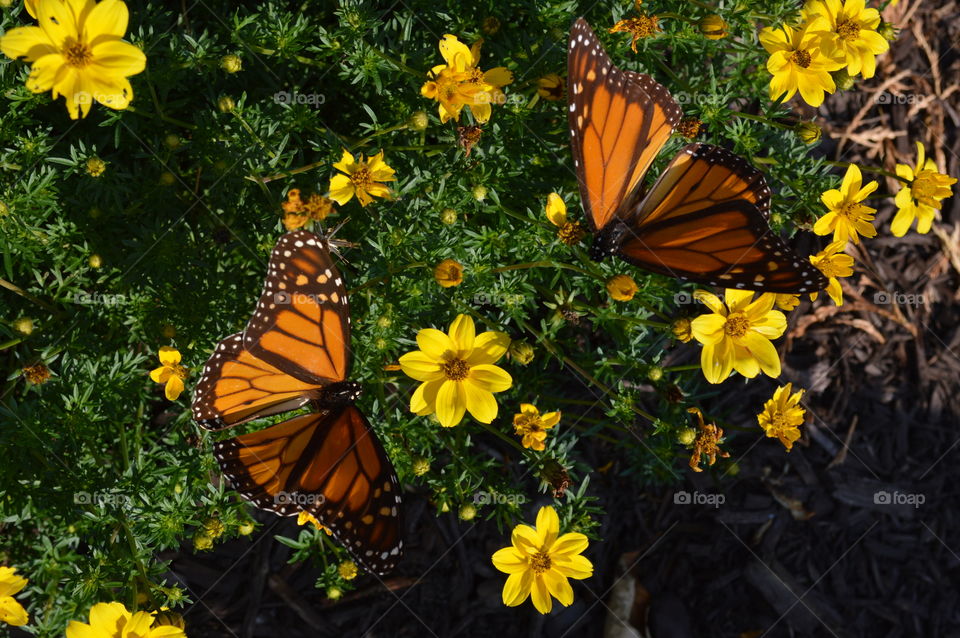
(253, 134)
(492, 430)
(387, 277)
(274, 52)
(26, 295)
(542, 264)
(397, 63)
(165, 118)
(760, 118)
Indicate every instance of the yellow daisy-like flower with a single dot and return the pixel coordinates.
(448, 273)
(833, 263)
(11, 611)
(640, 27)
(622, 287)
(533, 426)
(460, 82)
(540, 561)
(737, 335)
(112, 620)
(848, 218)
(782, 415)
(457, 372)
(170, 372)
(347, 570)
(921, 198)
(798, 61)
(569, 232)
(853, 32)
(550, 87)
(78, 52)
(361, 178)
(305, 517)
(786, 301)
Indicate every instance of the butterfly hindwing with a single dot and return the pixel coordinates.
(237, 387)
(302, 322)
(705, 220)
(619, 121)
(331, 465)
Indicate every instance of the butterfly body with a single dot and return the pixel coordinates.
(705, 219)
(295, 353)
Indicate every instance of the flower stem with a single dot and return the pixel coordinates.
(164, 118)
(397, 63)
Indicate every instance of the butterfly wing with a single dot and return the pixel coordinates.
(237, 387)
(619, 121)
(331, 465)
(705, 220)
(302, 322)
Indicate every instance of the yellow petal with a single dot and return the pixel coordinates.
(556, 210)
(108, 18)
(509, 560)
(435, 344)
(548, 525)
(481, 112)
(558, 586)
(716, 360)
(103, 615)
(113, 58)
(341, 189)
(708, 329)
(29, 43)
(463, 333)
(480, 402)
(44, 72)
(764, 352)
(491, 378)
(526, 540)
(573, 566)
(498, 77)
(161, 374)
(517, 588)
(451, 403)
(569, 543)
(540, 596)
(550, 419)
(488, 348)
(424, 399)
(711, 301)
(12, 612)
(169, 356)
(174, 387)
(347, 163)
(58, 22)
(420, 366)
(455, 53)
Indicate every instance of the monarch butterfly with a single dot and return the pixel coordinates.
(706, 217)
(295, 351)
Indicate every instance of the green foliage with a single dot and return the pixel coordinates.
(102, 473)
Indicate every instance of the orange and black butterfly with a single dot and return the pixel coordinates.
(706, 217)
(295, 352)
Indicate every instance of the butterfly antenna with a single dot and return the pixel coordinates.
(336, 244)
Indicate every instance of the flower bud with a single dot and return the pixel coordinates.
(95, 261)
(687, 436)
(231, 63)
(23, 325)
(226, 104)
(655, 373)
(420, 466)
(521, 352)
(842, 79)
(418, 121)
(681, 329)
(479, 192)
(96, 167)
(713, 27)
(467, 512)
(888, 31)
(808, 132)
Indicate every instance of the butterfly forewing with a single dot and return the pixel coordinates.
(619, 121)
(705, 220)
(237, 387)
(331, 465)
(302, 321)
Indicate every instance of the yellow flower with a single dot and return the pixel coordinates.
(833, 263)
(361, 178)
(11, 611)
(569, 232)
(782, 416)
(921, 198)
(457, 372)
(96, 167)
(448, 273)
(78, 52)
(713, 27)
(798, 61)
(347, 570)
(853, 32)
(689, 127)
(37, 374)
(682, 329)
(297, 213)
(170, 372)
(643, 26)
(540, 561)
(787, 301)
(706, 443)
(231, 63)
(533, 426)
(112, 620)
(622, 287)
(305, 517)
(737, 335)
(460, 82)
(848, 218)
(550, 87)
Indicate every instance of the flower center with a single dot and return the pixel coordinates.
(925, 185)
(849, 210)
(528, 424)
(801, 58)
(361, 178)
(179, 370)
(570, 233)
(540, 562)
(476, 76)
(737, 325)
(848, 30)
(779, 421)
(78, 54)
(456, 369)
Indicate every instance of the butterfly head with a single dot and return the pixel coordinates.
(340, 393)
